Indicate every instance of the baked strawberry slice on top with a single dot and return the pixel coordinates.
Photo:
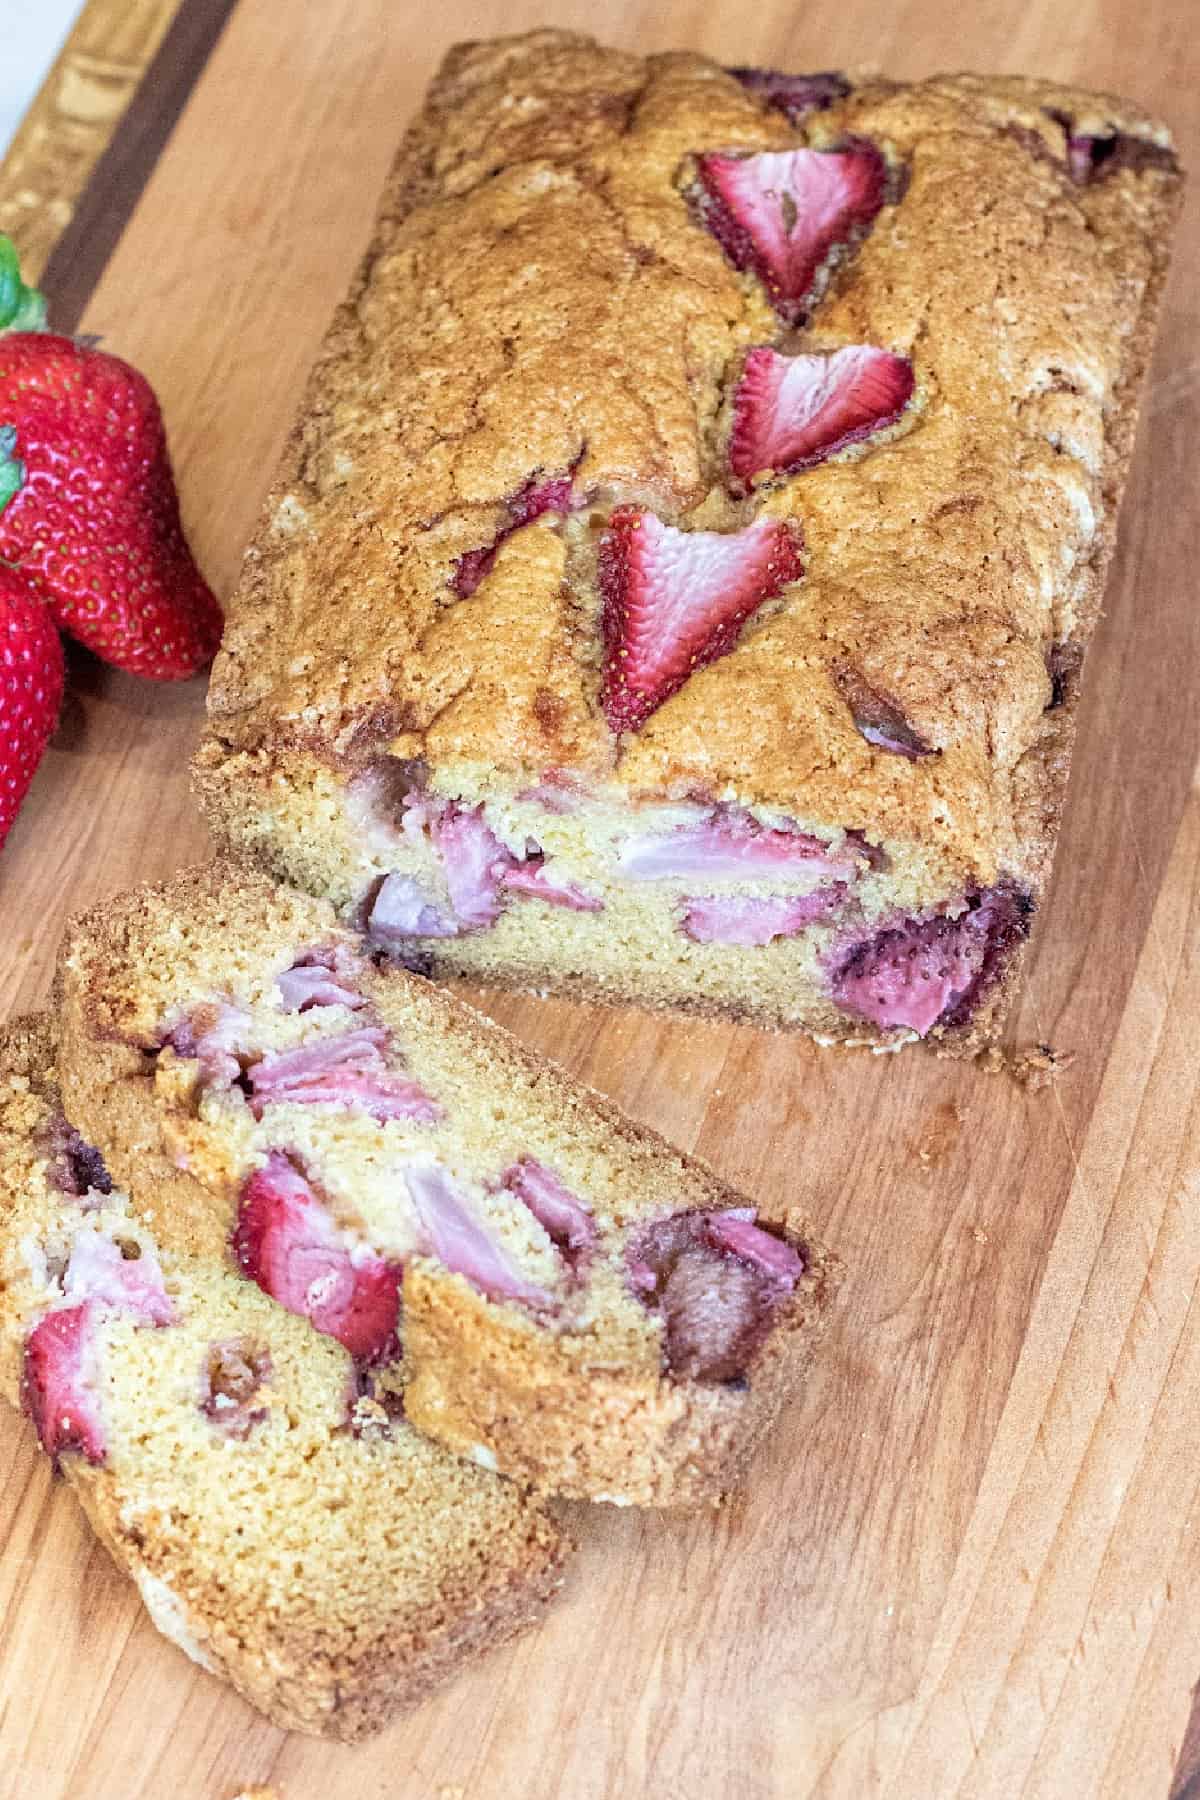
(792, 412)
(779, 214)
(675, 600)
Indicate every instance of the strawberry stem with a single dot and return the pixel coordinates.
(12, 469)
(21, 308)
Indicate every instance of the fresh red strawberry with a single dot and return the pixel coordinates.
(794, 95)
(285, 1240)
(56, 1387)
(675, 600)
(92, 516)
(31, 686)
(781, 213)
(791, 412)
(541, 494)
(876, 717)
(934, 971)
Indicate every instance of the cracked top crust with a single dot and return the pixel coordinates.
(540, 294)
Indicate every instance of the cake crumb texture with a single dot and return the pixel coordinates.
(532, 1353)
(334, 1577)
(540, 299)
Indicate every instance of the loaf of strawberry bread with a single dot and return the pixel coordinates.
(284, 1525)
(577, 1304)
(677, 580)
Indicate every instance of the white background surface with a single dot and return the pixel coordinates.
(31, 32)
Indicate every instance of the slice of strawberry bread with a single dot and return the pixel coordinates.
(676, 584)
(284, 1525)
(577, 1304)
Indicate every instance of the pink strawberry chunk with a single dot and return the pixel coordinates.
(561, 1214)
(676, 600)
(536, 878)
(791, 412)
(99, 1271)
(730, 844)
(314, 980)
(401, 910)
(348, 1071)
(781, 213)
(214, 1045)
(740, 919)
(285, 1240)
(717, 1280)
(738, 1234)
(75, 1167)
(57, 1383)
(794, 95)
(541, 494)
(934, 971)
(474, 861)
(557, 792)
(458, 1237)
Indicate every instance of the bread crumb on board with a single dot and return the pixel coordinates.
(257, 1793)
(1037, 1066)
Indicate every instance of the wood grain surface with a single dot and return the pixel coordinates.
(970, 1565)
(74, 118)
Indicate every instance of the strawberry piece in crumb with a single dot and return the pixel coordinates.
(100, 1270)
(56, 1383)
(753, 920)
(794, 95)
(717, 1281)
(932, 971)
(535, 877)
(780, 214)
(402, 910)
(792, 412)
(286, 1241)
(676, 600)
(560, 1213)
(348, 1071)
(316, 979)
(727, 843)
(458, 1237)
(474, 861)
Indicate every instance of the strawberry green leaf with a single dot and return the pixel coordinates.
(21, 308)
(12, 469)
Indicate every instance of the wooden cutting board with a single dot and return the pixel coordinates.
(970, 1566)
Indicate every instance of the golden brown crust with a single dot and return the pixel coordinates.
(998, 403)
(1025, 301)
(554, 1420)
(365, 1624)
(650, 1443)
